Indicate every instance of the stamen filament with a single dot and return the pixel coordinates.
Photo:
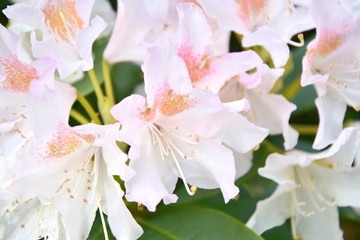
(106, 235)
(170, 146)
(297, 44)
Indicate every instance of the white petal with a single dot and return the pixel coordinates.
(273, 112)
(272, 42)
(122, 224)
(155, 177)
(331, 115)
(271, 212)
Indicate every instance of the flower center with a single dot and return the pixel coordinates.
(198, 66)
(307, 198)
(168, 103)
(161, 138)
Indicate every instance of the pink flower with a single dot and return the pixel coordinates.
(179, 132)
(32, 103)
(269, 23)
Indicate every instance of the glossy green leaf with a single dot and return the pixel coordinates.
(195, 223)
(125, 77)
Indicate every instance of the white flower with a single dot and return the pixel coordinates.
(67, 34)
(73, 170)
(269, 23)
(332, 65)
(179, 132)
(311, 186)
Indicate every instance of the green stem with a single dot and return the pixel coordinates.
(293, 89)
(78, 117)
(88, 108)
(108, 84)
(307, 130)
(96, 85)
(272, 148)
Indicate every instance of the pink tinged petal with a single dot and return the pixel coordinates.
(10, 43)
(132, 112)
(206, 118)
(128, 45)
(273, 112)
(272, 211)
(155, 177)
(221, 69)
(209, 165)
(109, 194)
(250, 10)
(16, 12)
(18, 75)
(62, 20)
(271, 41)
(330, 16)
(199, 35)
(225, 12)
(331, 114)
(175, 74)
(64, 142)
(86, 39)
(251, 135)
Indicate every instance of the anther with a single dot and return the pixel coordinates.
(193, 190)
(140, 207)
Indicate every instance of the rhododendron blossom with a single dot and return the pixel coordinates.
(127, 117)
(182, 131)
(67, 34)
(26, 88)
(269, 23)
(331, 64)
(79, 165)
(310, 188)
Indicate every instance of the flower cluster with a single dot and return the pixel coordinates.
(199, 116)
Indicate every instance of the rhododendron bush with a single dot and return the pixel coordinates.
(180, 119)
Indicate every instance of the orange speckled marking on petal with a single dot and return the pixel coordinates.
(172, 103)
(18, 75)
(168, 103)
(198, 66)
(250, 8)
(62, 19)
(65, 142)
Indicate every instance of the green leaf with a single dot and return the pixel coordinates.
(194, 223)
(125, 77)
